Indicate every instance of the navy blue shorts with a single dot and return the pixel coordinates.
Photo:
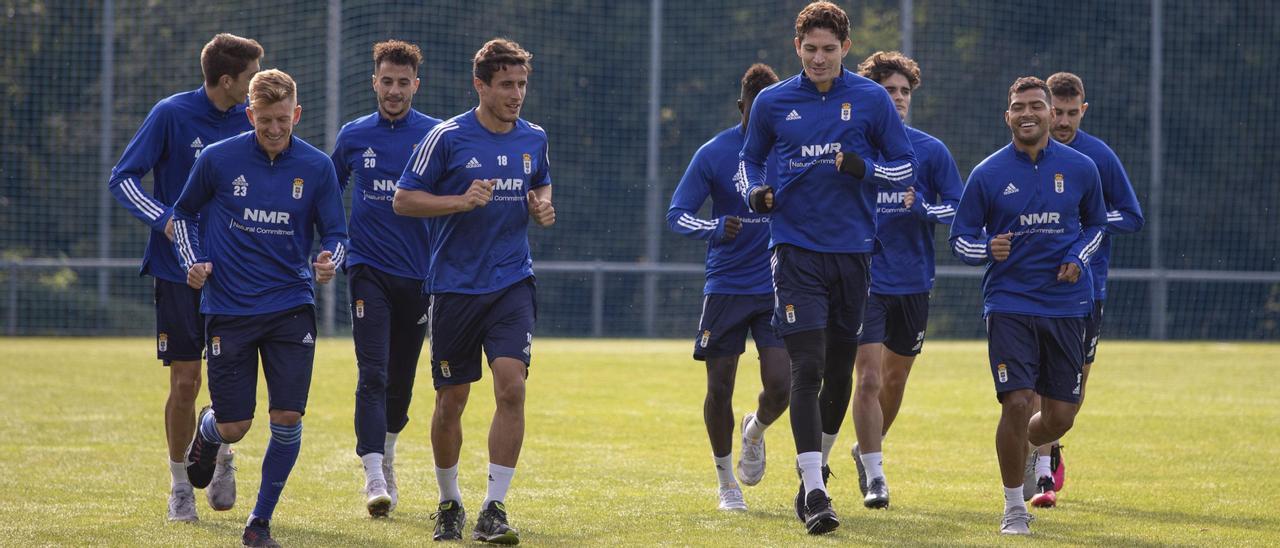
(461, 325)
(1038, 353)
(815, 290)
(1092, 331)
(179, 326)
(388, 318)
(897, 321)
(726, 319)
(285, 340)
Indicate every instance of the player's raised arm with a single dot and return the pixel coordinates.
(946, 177)
(1093, 225)
(186, 212)
(897, 170)
(968, 241)
(140, 156)
(690, 193)
(1124, 214)
(415, 192)
(752, 174)
(331, 220)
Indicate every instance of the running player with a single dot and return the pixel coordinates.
(902, 271)
(479, 177)
(835, 137)
(259, 198)
(386, 266)
(1041, 202)
(738, 297)
(1124, 216)
(168, 143)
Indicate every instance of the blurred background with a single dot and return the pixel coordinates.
(627, 91)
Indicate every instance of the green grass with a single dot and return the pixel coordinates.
(1178, 445)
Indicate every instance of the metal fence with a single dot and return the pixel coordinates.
(627, 92)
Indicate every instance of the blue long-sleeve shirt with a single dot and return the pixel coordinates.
(258, 220)
(815, 206)
(487, 248)
(1054, 208)
(167, 144)
(370, 154)
(904, 265)
(1124, 214)
(739, 266)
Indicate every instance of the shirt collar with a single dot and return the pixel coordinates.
(840, 80)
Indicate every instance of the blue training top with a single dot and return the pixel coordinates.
(371, 153)
(905, 263)
(487, 248)
(1124, 215)
(1053, 206)
(167, 144)
(815, 206)
(258, 222)
(739, 266)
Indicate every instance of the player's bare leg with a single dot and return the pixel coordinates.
(179, 427)
(717, 414)
(506, 436)
(868, 422)
(1011, 452)
(446, 444)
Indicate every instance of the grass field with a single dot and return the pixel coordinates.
(1178, 445)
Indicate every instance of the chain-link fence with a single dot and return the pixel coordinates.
(627, 91)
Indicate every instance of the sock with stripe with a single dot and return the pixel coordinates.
(277, 463)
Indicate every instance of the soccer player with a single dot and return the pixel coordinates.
(901, 278)
(1041, 202)
(1124, 216)
(479, 177)
(259, 197)
(836, 138)
(738, 297)
(168, 143)
(386, 265)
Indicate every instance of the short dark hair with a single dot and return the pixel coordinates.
(396, 53)
(823, 15)
(498, 54)
(1066, 85)
(758, 77)
(227, 55)
(882, 64)
(1028, 82)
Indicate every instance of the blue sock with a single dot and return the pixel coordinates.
(209, 429)
(282, 453)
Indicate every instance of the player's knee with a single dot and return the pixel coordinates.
(285, 417)
(777, 397)
(233, 432)
(450, 402)
(509, 395)
(371, 382)
(184, 389)
(719, 391)
(1017, 403)
(869, 382)
(1058, 423)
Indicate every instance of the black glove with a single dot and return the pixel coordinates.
(852, 164)
(757, 199)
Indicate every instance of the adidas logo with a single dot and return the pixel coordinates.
(196, 143)
(240, 181)
(793, 116)
(308, 339)
(422, 320)
(474, 163)
(1010, 189)
(369, 153)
